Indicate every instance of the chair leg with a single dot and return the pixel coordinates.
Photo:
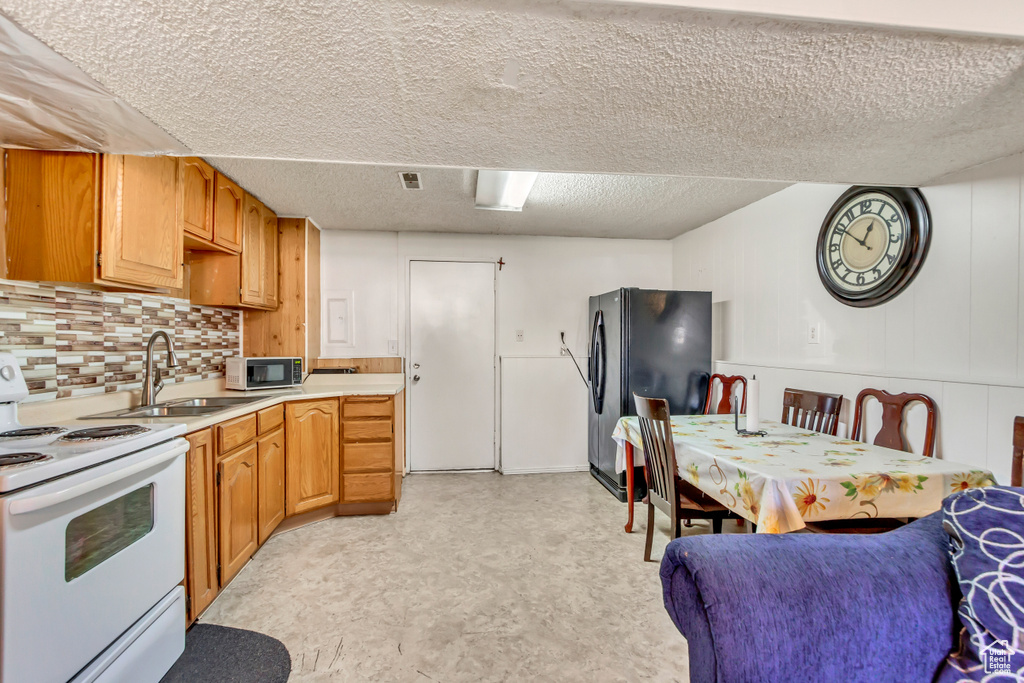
(650, 532)
(716, 525)
(678, 530)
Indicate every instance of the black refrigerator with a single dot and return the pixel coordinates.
(654, 343)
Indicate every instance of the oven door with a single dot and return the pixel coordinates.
(266, 373)
(85, 556)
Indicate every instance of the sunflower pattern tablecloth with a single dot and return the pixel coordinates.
(793, 476)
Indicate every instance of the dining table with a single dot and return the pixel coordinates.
(790, 476)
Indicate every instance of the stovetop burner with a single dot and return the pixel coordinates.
(31, 432)
(103, 433)
(20, 458)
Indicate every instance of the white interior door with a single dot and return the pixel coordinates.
(451, 365)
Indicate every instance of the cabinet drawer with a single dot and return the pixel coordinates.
(368, 457)
(367, 488)
(365, 430)
(378, 406)
(234, 433)
(269, 418)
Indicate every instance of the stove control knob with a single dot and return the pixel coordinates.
(7, 372)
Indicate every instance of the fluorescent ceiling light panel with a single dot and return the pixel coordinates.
(503, 190)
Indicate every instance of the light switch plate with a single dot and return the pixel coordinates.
(393, 347)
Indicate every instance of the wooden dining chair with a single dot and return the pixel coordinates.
(666, 490)
(728, 383)
(1017, 475)
(812, 410)
(894, 406)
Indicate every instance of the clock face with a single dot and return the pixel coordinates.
(873, 243)
(866, 241)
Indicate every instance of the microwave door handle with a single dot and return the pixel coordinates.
(26, 505)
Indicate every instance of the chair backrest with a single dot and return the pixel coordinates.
(893, 408)
(812, 410)
(725, 404)
(659, 452)
(1018, 452)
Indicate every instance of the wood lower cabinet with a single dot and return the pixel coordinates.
(312, 455)
(368, 449)
(270, 451)
(238, 510)
(201, 582)
(246, 475)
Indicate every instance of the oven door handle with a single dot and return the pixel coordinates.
(21, 507)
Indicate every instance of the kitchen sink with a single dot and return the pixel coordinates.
(182, 407)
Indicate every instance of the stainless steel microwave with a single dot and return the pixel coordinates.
(263, 373)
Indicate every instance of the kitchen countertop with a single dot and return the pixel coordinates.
(315, 386)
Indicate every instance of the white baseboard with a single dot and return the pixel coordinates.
(546, 470)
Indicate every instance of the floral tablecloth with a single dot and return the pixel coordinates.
(792, 476)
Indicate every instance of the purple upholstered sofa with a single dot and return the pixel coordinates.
(815, 607)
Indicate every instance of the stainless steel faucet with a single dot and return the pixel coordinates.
(151, 382)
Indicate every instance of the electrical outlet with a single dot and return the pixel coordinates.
(565, 351)
(393, 347)
(519, 335)
(814, 333)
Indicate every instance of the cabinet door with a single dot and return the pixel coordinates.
(200, 524)
(228, 211)
(270, 449)
(271, 272)
(142, 235)
(312, 455)
(197, 188)
(238, 514)
(252, 253)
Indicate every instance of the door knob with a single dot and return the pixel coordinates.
(415, 378)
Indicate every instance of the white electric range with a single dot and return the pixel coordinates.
(92, 538)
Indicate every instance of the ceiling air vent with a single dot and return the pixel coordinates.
(410, 181)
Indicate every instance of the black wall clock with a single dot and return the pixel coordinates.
(873, 243)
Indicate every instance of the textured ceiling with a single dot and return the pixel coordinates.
(363, 197)
(555, 86)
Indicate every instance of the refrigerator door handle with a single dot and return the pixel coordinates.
(598, 363)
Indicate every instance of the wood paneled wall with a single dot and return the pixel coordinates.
(385, 364)
(293, 329)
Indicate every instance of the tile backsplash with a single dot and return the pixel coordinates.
(77, 342)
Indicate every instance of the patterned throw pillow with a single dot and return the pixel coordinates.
(986, 529)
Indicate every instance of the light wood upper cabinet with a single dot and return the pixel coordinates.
(270, 451)
(293, 328)
(253, 259)
(270, 258)
(239, 495)
(246, 280)
(312, 430)
(200, 524)
(197, 189)
(227, 214)
(142, 231)
(100, 219)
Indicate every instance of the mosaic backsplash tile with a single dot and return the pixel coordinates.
(77, 342)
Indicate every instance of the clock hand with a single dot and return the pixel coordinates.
(857, 239)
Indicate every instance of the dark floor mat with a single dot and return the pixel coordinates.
(220, 654)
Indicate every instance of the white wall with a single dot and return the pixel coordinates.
(542, 289)
(956, 334)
